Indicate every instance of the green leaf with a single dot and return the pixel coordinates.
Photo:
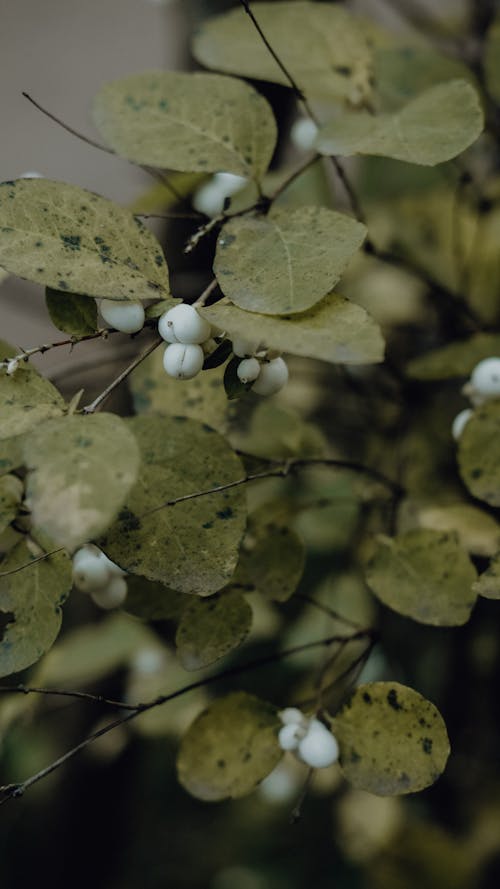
(276, 432)
(424, 575)
(11, 453)
(492, 59)
(287, 261)
(71, 239)
(192, 546)
(488, 583)
(11, 494)
(33, 597)
(392, 740)
(272, 558)
(456, 359)
(157, 309)
(435, 127)
(201, 398)
(26, 399)
(88, 653)
(403, 72)
(479, 453)
(184, 121)
(229, 748)
(211, 628)
(335, 330)
(71, 312)
(81, 470)
(478, 532)
(323, 46)
(233, 386)
(153, 601)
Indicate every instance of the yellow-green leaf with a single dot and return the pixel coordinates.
(71, 312)
(272, 558)
(11, 493)
(26, 398)
(71, 239)
(488, 583)
(456, 359)
(211, 628)
(193, 122)
(392, 740)
(479, 453)
(229, 748)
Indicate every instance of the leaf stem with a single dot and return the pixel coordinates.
(104, 395)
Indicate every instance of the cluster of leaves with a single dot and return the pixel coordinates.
(163, 493)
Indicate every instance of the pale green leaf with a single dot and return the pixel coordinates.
(202, 398)
(403, 72)
(456, 359)
(157, 309)
(90, 652)
(192, 546)
(334, 330)
(81, 470)
(26, 399)
(492, 59)
(277, 432)
(392, 740)
(435, 127)
(193, 122)
(424, 575)
(71, 239)
(33, 597)
(71, 312)
(11, 453)
(229, 748)
(152, 600)
(11, 493)
(272, 558)
(488, 583)
(478, 532)
(210, 628)
(322, 45)
(479, 453)
(287, 261)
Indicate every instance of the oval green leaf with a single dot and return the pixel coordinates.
(191, 546)
(229, 748)
(424, 575)
(211, 628)
(435, 127)
(11, 494)
(34, 597)
(185, 121)
(272, 557)
(71, 239)
(334, 330)
(488, 583)
(324, 47)
(152, 600)
(26, 398)
(81, 470)
(479, 453)
(392, 740)
(71, 312)
(287, 261)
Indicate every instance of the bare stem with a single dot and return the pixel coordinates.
(26, 354)
(104, 395)
(59, 692)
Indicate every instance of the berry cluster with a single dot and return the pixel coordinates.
(308, 738)
(483, 385)
(97, 575)
(265, 369)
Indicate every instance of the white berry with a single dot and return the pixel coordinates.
(460, 422)
(273, 376)
(112, 595)
(244, 348)
(128, 317)
(292, 716)
(166, 329)
(113, 569)
(290, 735)
(303, 133)
(183, 361)
(319, 747)
(248, 370)
(187, 325)
(485, 378)
(210, 197)
(90, 571)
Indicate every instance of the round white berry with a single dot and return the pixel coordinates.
(460, 422)
(319, 747)
(273, 376)
(303, 133)
(210, 197)
(183, 361)
(292, 716)
(188, 326)
(90, 572)
(128, 317)
(485, 378)
(113, 569)
(290, 735)
(248, 370)
(166, 329)
(112, 595)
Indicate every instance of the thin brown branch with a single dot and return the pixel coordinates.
(41, 558)
(26, 354)
(104, 395)
(63, 693)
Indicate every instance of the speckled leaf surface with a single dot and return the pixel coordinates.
(11, 493)
(334, 330)
(34, 597)
(272, 558)
(433, 128)
(192, 547)
(210, 628)
(194, 122)
(392, 740)
(71, 239)
(425, 575)
(81, 470)
(479, 453)
(229, 748)
(26, 398)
